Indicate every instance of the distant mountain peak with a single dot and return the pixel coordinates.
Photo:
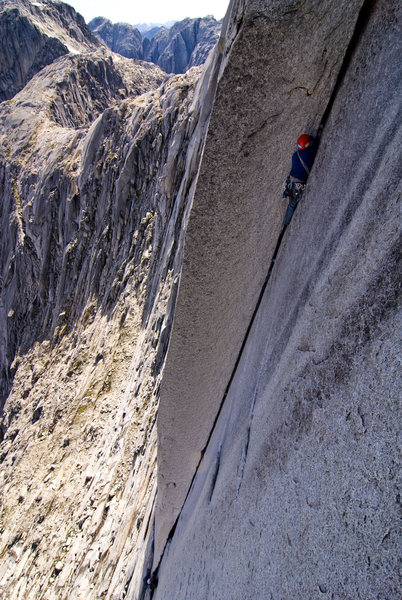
(174, 46)
(145, 27)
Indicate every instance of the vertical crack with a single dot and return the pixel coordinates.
(215, 473)
(257, 389)
(360, 26)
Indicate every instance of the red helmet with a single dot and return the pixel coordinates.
(304, 141)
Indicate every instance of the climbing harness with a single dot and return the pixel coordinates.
(293, 189)
(293, 192)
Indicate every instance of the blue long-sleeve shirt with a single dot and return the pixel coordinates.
(307, 155)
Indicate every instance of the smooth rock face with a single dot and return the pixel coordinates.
(298, 493)
(236, 217)
(33, 35)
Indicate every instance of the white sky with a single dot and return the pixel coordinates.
(149, 11)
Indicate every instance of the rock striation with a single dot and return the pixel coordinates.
(64, 99)
(186, 44)
(33, 35)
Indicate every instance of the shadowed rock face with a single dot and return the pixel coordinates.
(175, 50)
(34, 34)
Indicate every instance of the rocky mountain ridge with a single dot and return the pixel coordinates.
(119, 37)
(33, 35)
(70, 256)
(95, 180)
(139, 213)
(186, 44)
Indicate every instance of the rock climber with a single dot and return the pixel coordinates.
(302, 161)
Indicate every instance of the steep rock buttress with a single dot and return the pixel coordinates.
(269, 90)
(298, 491)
